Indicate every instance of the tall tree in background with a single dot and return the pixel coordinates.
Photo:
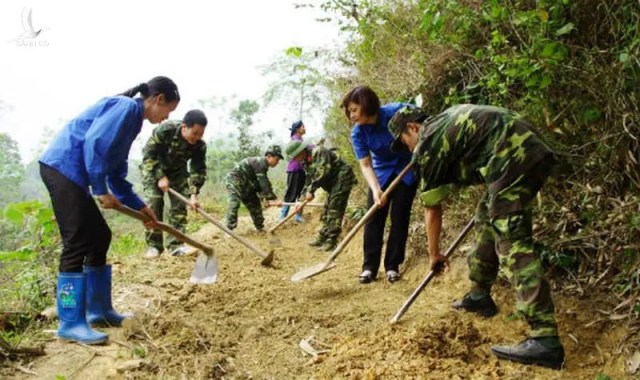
(11, 170)
(299, 80)
(242, 118)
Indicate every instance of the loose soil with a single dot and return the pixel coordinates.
(249, 324)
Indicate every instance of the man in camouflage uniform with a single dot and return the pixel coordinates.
(467, 145)
(247, 183)
(174, 156)
(333, 175)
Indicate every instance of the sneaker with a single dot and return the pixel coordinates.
(179, 251)
(484, 306)
(533, 351)
(366, 276)
(393, 276)
(298, 218)
(329, 245)
(319, 242)
(152, 253)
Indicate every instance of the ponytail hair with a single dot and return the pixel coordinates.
(156, 86)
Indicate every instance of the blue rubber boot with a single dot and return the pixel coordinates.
(99, 308)
(298, 218)
(284, 211)
(71, 301)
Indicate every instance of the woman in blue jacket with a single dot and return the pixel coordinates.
(371, 142)
(89, 157)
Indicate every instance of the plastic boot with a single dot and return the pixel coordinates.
(99, 308)
(284, 211)
(71, 301)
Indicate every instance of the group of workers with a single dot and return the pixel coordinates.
(464, 145)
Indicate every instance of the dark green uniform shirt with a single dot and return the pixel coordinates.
(324, 171)
(167, 153)
(469, 144)
(250, 176)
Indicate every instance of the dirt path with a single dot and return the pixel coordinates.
(250, 323)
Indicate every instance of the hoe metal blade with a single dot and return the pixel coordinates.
(205, 271)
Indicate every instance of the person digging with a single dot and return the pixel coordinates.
(174, 156)
(467, 145)
(329, 172)
(247, 183)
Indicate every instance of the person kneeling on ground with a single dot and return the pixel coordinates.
(466, 145)
(329, 172)
(247, 183)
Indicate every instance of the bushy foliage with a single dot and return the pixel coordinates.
(11, 170)
(569, 66)
(29, 250)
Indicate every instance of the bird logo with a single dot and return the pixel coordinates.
(27, 24)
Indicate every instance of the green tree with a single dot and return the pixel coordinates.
(11, 170)
(300, 80)
(242, 117)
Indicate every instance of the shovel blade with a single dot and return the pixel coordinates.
(312, 271)
(205, 271)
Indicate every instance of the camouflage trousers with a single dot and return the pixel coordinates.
(510, 236)
(336, 205)
(177, 212)
(251, 201)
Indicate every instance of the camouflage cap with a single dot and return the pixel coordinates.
(398, 122)
(294, 148)
(274, 150)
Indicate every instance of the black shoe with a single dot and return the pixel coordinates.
(366, 276)
(532, 351)
(485, 306)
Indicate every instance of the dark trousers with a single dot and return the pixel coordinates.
(399, 204)
(85, 234)
(295, 185)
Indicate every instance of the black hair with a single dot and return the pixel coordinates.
(363, 96)
(194, 117)
(156, 86)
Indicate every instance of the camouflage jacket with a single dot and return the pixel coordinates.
(167, 154)
(326, 168)
(250, 177)
(469, 144)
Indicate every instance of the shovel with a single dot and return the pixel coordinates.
(266, 258)
(329, 264)
(273, 239)
(206, 268)
(431, 274)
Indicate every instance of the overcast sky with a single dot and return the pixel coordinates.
(89, 49)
